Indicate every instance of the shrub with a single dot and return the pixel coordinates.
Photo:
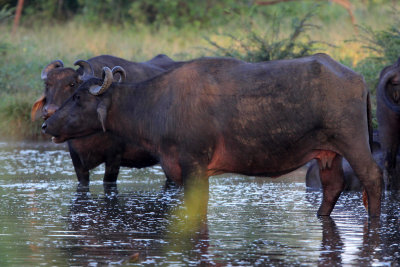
(269, 44)
(383, 48)
(15, 121)
(5, 13)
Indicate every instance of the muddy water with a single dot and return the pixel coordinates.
(45, 220)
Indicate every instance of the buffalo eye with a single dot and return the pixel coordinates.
(72, 84)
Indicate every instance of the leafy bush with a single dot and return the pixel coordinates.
(383, 48)
(270, 45)
(384, 45)
(177, 13)
(181, 13)
(5, 13)
(44, 11)
(15, 121)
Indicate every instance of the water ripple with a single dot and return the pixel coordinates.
(45, 219)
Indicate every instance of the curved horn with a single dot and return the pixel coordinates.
(88, 71)
(382, 92)
(53, 65)
(120, 70)
(107, 81)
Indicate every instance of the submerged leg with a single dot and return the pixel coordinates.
(196, 186)
(332, 180)
(112, 169)
(390, 166)
(358, 154)
(371, 177)
(82, 173)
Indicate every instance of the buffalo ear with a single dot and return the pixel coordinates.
(102, 114)
(38, 105)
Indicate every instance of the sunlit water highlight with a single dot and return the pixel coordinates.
(45, 220)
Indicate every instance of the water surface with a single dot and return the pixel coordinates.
(46, 220)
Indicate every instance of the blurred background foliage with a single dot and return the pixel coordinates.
(177, 13)
(362, 34)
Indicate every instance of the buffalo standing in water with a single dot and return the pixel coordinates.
(217, 115)
(90, 151)
(388, 114)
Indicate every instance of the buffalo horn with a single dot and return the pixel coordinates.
(382, 92)
(107, 81)
(53, 65)
(87, 69)
(122, 73)
(385, 78)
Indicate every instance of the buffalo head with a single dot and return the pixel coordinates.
(60, 83)
(90, 100)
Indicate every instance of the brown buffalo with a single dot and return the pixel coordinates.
(217, 115)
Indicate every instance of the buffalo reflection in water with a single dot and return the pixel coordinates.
(380, 238)
(130, 227)
(140, 227)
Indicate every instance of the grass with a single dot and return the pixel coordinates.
(24, 55)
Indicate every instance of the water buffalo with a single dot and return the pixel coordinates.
(388, 114)
(90, 151)
(217, 115)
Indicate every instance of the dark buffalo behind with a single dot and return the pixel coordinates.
(89, 152)
(388, 114)
(216, 115)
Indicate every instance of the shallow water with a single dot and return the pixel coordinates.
(46, 220)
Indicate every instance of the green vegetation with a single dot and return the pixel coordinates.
(138, 30)
(383, 47)
(267, 45)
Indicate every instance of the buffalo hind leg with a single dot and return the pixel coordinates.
(332, 180)
(370, 176)
(390, 166)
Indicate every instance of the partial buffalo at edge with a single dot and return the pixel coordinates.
(388, 115)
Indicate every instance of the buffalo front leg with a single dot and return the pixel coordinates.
(196, 190)
(112, 169)
(189, 171)
(192, 218)
(82, 173)
(332, 180)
